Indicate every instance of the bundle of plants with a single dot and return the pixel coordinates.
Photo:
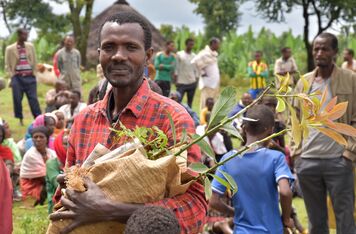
(146, 167)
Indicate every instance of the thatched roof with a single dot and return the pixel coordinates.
(120, 5)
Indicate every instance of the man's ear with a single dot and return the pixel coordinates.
(98, 51)
(149, 54)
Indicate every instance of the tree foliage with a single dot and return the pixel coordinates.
(327, 13)
(220, 17)
(81, 25)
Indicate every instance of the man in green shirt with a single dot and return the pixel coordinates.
(165, 62)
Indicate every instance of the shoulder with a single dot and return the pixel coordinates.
(275, 155)
(29, 44)
(11, 47)
(76, 51)
(51, 152)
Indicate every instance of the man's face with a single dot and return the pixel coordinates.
(210, 104)
(23, 36)
(60, 120)
(246, 99)
(69, 43)
(347, 56)
(190, 45)
(215, 45)
(171, 47)
(258, 57)
(323, 53)
(74, 99)
(286, 54)
(122, 54)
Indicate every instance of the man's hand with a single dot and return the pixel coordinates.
(289, 223)
(91, 206)
(160, 66)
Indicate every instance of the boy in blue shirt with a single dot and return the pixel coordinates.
(258, 175)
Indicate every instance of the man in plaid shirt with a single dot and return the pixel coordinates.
(125, 48)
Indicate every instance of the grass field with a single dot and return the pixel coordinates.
(35, 221)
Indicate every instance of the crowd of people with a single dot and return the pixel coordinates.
(135, 91)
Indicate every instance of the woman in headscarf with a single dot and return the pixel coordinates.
(47, 120)
(33, 167)
(54, 166)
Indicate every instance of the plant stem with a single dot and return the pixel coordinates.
(245, 148)
(228, 120)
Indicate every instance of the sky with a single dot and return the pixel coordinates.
(180, 13)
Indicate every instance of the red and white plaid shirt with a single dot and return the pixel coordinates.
(146, 108)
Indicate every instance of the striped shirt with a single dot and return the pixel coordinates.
(23, 68)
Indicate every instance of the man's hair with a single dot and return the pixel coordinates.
(214, 40)
(264, 119)
(125, 17)
(350, 51)
(259, 52)
(188, 40)
(209, 99)
(77, 93)
(21, 30)
(169, 42)
(152, 220)
(284, 49)
(333, 39)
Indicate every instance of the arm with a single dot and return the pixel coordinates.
(60, 63)
(8, 67)
(350, 151)
(250, 71)
(219, 205)
(79, 60)
(265, 72)
(286, 201)
(34, 59)
(157, 61)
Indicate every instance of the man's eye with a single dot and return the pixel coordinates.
(131, 47)
(107, 48)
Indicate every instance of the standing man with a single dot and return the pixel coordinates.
(69, 61)
(325, 167)
(187, 73)
(258, 73)
(286, 64)
(20, 62)
(207, 63)
(125, 48)
(165, 63)
(349, 61)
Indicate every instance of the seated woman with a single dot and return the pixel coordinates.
(46, 120)
(60, 122)
(33, 167)
(54, 166)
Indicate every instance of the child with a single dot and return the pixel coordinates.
(209, 104)
(152, 220)
(260, 174)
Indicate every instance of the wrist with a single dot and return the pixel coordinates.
(120, 212)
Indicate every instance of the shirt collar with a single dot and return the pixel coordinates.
(135, 105)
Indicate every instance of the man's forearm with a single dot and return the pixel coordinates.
(286, 205)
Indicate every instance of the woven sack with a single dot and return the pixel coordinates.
(143, 180)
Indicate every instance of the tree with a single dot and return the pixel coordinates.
(81, 26)
(167, 31)
(220, 17)
(327, 12)
(34, 14)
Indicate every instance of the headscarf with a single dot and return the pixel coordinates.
(59, 148)
(39, 121)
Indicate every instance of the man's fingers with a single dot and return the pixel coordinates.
(68, 204)
(88, 183)
(60, 179)
(70, 227)
(62, 215)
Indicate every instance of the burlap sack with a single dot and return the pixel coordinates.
(143, 180)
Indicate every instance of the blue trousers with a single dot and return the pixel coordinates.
(27, 85)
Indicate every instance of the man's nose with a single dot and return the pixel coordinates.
(120, 54)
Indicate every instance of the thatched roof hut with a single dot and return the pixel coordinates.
(158, 41)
